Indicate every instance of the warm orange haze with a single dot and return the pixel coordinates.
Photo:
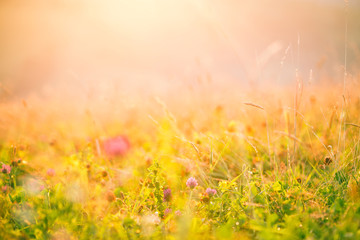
(179, 119)
(163, 45)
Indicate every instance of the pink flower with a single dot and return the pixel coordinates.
(191, 183)
(167, 195)
(50, 172)
(178, 213)
(6, 169)
(5, 189)
(210, 192)
(116, 146)
(167, 211)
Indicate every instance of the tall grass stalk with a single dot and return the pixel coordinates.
(342, 130)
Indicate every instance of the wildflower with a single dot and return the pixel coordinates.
(210, 192)
(178, 213)
(204, 197)
(6, 169)
(110, 196)
(167, 211)
(5, 189)
(50, 172)
(327, 161)
(15, 163)
(148, 161)
(167, 195)
(191, 183)
(117, 146)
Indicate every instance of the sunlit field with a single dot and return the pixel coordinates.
(179, 119)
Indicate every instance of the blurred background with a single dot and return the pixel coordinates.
(87, 49)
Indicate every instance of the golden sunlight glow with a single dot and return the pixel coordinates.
(160, 44)
(179, 119)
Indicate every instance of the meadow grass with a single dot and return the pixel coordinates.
(224, 166)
